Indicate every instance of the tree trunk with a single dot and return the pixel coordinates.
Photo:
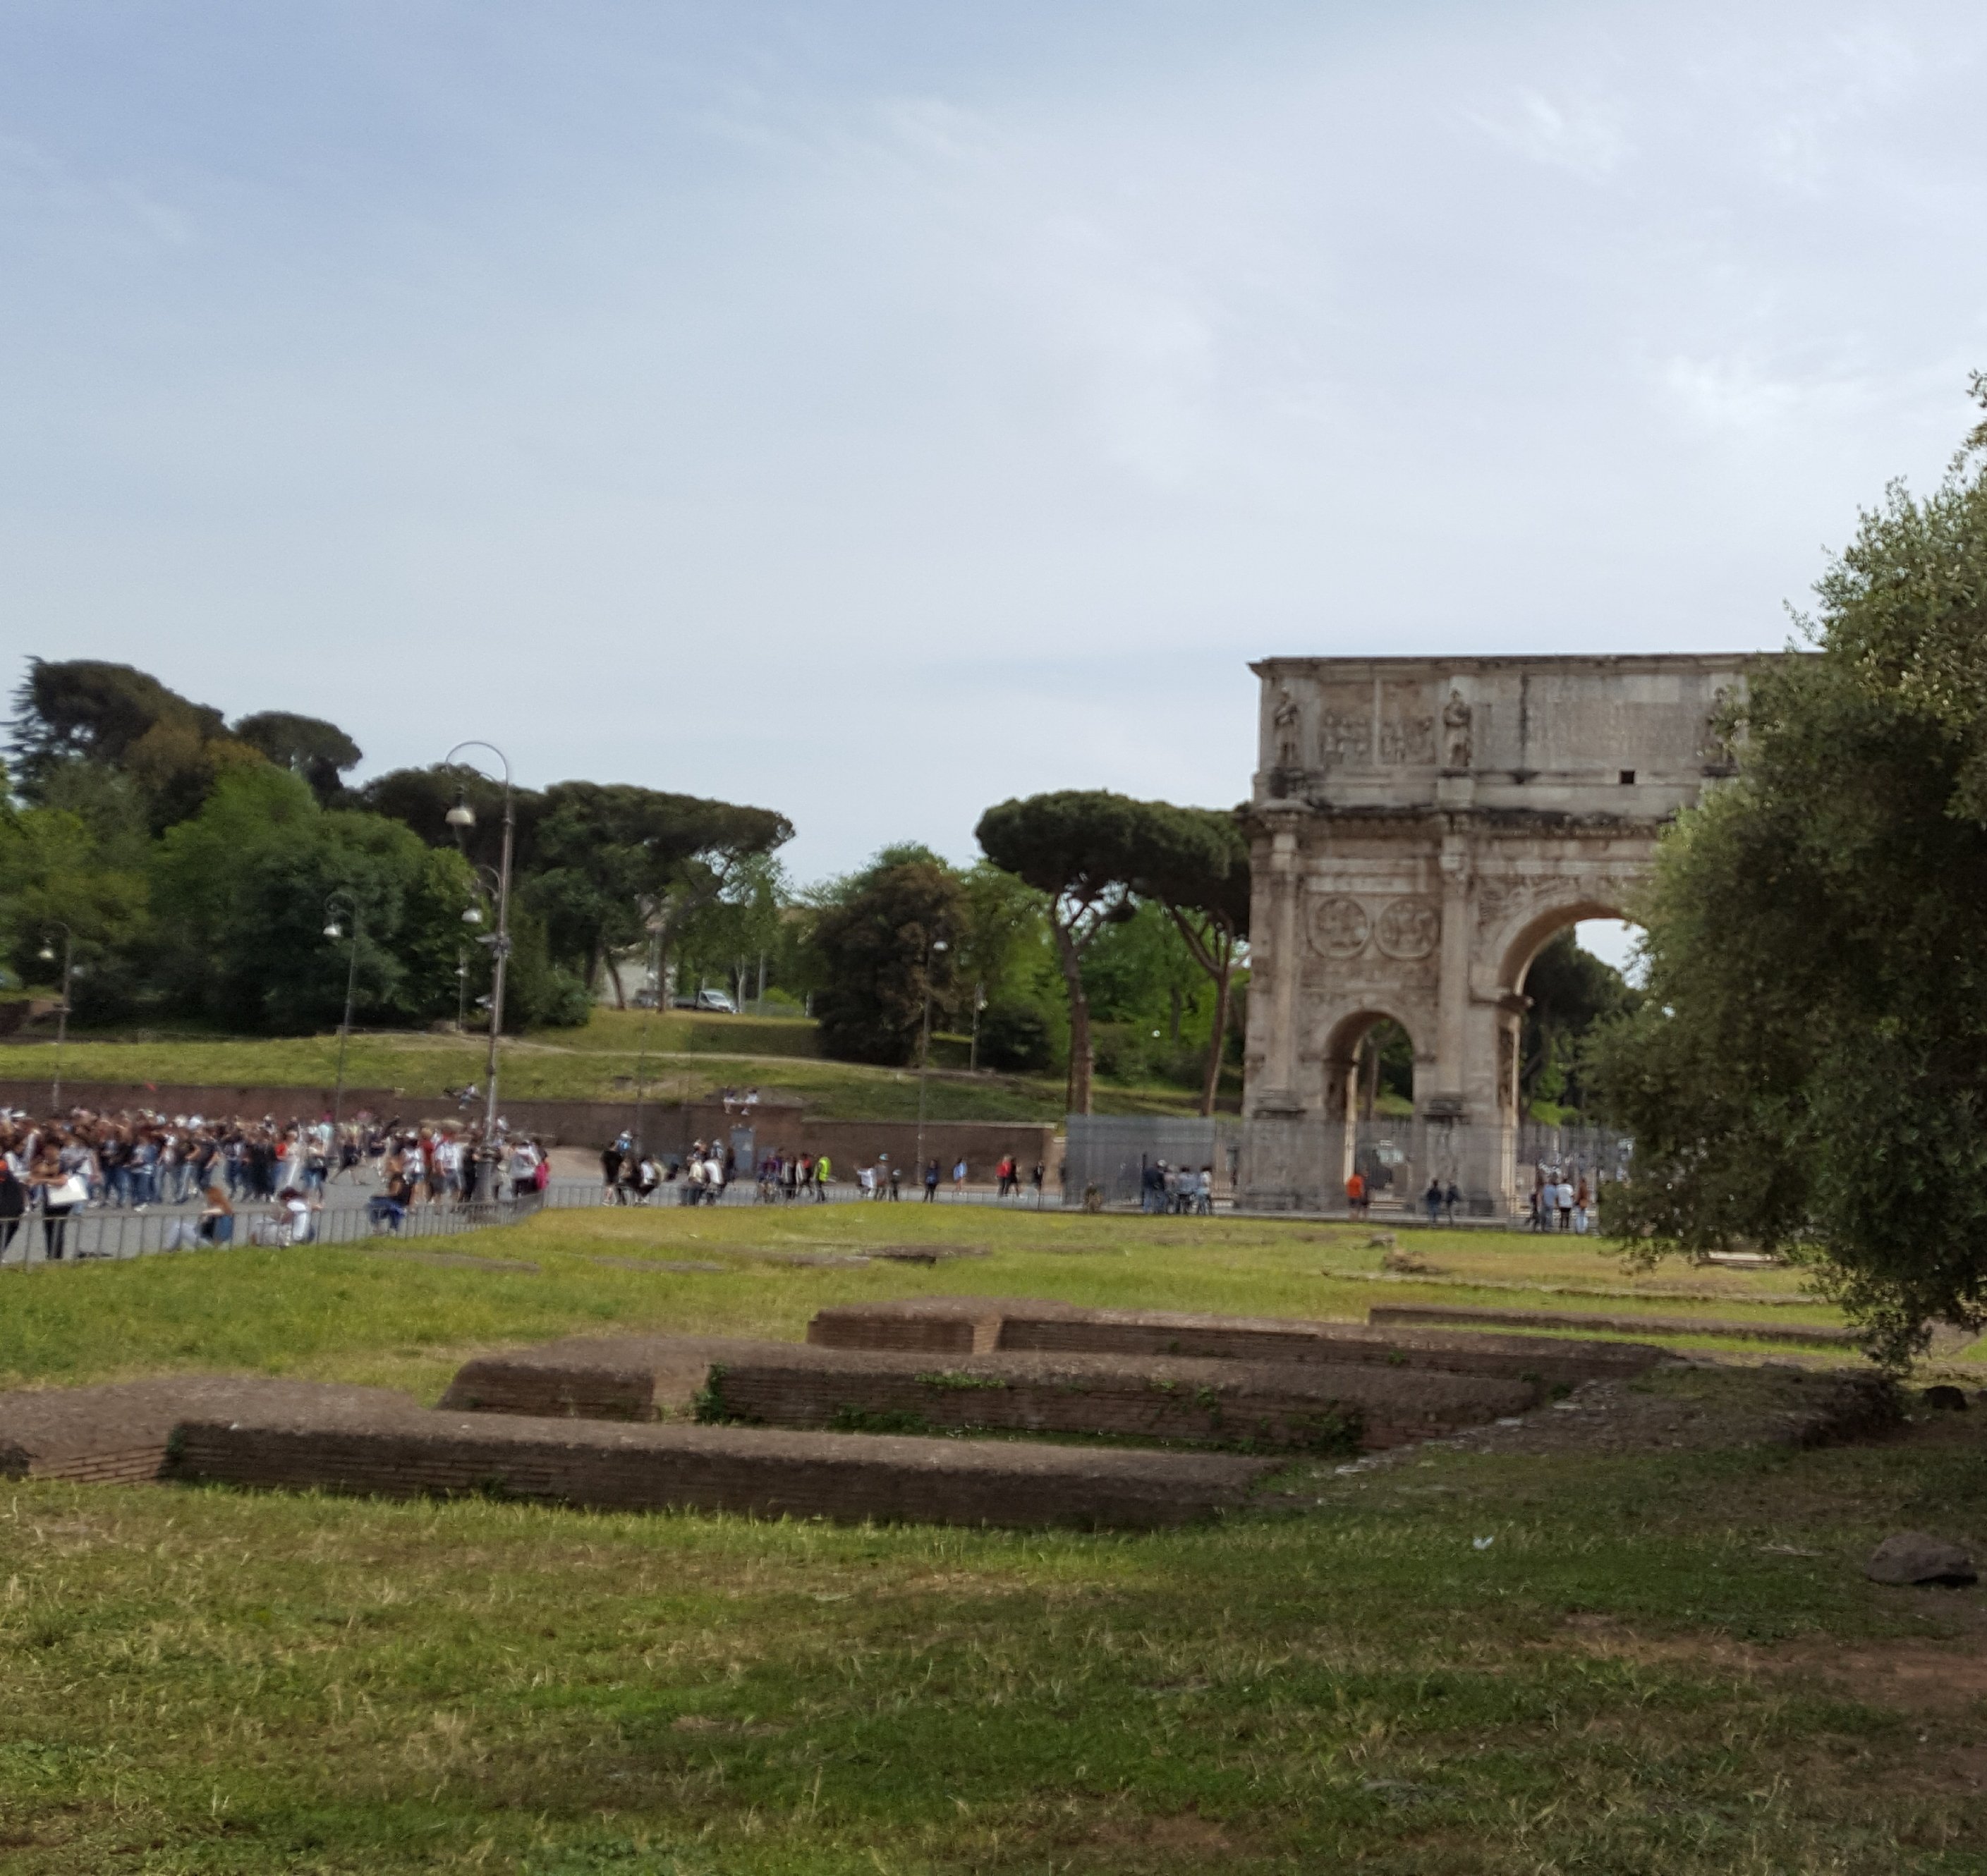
(1071, 960)
(614, 968)
(1217, 1038)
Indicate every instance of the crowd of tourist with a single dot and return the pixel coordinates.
(53, 1168)
(1558, 1202)
(632, 1176)
(1179, 1190)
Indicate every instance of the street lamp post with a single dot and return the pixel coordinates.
(462, 817)
(330, 930)
(61, 1009)
(935, 948)
(648, 1023)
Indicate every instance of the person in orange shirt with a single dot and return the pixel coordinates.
(1355, 1195)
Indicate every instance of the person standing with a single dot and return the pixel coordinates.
(61, 1192)
(1355, 1194)
(823, 1173)
(959, 1180)
(13, 1208)
(931, 1180)
(1432, 1200)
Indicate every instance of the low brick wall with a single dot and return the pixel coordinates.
(1813, 1334)
(596, 1378)
(848, 1477)
(976, 1323)
(1264, 1405)
(122, 1432)
(1276, 1405)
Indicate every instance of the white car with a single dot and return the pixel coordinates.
(711, 1003)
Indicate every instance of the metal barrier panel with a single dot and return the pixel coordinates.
(1110, 1153)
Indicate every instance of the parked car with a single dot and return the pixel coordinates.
(709, 1002)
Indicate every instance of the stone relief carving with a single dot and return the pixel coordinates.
(1339, 927)
(1507, 1067)
(1407, 739)
(1409, 928)
(1455, 744)
(1345, 740)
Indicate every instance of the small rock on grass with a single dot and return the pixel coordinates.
(1910, 1556)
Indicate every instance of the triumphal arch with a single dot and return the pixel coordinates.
(1422, 826)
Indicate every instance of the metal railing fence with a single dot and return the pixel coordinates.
(100, 1234)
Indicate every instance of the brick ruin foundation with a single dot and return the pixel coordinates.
(820, 1428)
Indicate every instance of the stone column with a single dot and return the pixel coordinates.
(1278, 1095)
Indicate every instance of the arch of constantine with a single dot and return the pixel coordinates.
(1422, 826)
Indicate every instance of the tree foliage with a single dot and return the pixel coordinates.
(1572, 993)
(1089, 852)
(245, 887)
(876, 946)
(320, 752)
(1806, 1070)
(114, 716)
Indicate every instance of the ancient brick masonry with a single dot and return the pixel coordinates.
(980, 1324)
(1257, 1404)
(244, 1430)
(122, 1432)
(410, 1452)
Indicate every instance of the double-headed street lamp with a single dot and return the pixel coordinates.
(461, 817)
(48, 954)
(332, 930)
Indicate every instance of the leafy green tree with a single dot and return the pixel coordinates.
(241, 891)
(1805, 1071)
(320, 752)
(119, 717)
(610, 860)
(1572, 992)
(876, 950)
(1086, 850)
(56, 871)
(1201, 877)
(82, 708)
(421, 799)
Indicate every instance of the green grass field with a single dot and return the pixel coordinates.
(676, 1056)
(1663, 1661)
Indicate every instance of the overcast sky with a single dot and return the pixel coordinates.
(873, 411)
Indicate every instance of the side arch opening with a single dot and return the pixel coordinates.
(1562, 984)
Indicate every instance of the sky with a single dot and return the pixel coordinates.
(876, 410)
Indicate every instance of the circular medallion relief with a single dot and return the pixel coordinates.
(1338, 926)
(1410, 929)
